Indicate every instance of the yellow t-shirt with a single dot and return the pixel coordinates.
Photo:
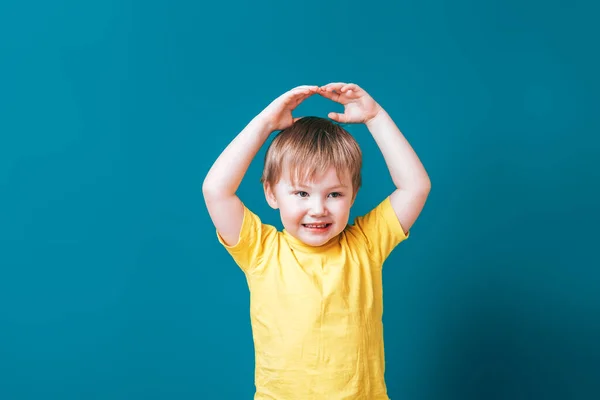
(316, 312)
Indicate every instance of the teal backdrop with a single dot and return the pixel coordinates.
(112, 282)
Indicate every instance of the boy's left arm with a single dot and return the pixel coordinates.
(408, 174)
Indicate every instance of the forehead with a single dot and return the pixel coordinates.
(330, 177)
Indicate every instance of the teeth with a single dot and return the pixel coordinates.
(315, 226)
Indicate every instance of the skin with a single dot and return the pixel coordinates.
(325, 200)
(223, 179)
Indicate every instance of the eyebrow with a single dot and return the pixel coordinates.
(300, 186)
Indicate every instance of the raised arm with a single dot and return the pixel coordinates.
(408, 174)
(224, 177)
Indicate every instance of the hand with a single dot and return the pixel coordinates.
(359, 107)
(278, 115)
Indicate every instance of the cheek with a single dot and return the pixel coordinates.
(291, 210)
(341, 208)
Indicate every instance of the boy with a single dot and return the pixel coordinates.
(315, 288)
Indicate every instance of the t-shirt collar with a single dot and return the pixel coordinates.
(298, 245)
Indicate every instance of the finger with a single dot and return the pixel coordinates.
(350, 86)
(304, 94)
(351, 94)
(330, 95)
(294, 94)
(337, 117)
(300, 90)
(333, 86)
(298, 95)
(296, 119)
(299, 98)
(304, 89)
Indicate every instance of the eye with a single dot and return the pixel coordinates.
(301, 194)
(335, 194)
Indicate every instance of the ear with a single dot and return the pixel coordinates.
(270, 196)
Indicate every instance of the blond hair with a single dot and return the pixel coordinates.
(308, 148)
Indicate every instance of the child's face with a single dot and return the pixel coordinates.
(313, 212)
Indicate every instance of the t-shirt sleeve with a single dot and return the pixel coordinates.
(381, 230)
(254, 240)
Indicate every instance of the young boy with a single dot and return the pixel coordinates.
(315, 288)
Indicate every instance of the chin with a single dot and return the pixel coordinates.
(316, 243)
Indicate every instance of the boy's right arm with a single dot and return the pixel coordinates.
(224, 177)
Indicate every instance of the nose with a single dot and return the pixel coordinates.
(317, 208)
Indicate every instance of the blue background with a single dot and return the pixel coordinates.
(112, 283)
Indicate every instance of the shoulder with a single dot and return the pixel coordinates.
(255, 240)
(379, 230)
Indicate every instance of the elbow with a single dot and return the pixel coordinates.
(209, 189)
(205, 186)
(424, 183)
(422, 188)
(214, 191)
(426, 186)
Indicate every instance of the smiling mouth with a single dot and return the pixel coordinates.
(316, 226)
